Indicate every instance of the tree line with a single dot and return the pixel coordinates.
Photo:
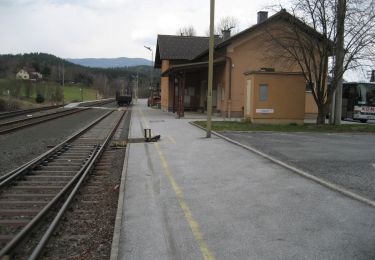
(57, 70)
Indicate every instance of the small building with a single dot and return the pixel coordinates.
(247, 82)
(275, 97)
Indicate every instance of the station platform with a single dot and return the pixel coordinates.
(192, 197)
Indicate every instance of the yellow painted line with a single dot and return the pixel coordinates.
(194, 226)
(145, 123)
(172, 139)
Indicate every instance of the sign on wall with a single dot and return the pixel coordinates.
(264, 111)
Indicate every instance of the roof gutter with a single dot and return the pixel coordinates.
(187, 66)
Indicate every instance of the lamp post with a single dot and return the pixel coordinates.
(152, 67)
(210, 69)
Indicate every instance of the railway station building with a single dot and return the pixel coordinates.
(247, 83)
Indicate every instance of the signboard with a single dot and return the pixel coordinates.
(370, 110)
(264, 111)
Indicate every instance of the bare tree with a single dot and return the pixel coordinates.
(226, 23)
(187, 31)
(311, 40)
(354, 42)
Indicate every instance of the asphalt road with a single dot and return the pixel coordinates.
(344, 159)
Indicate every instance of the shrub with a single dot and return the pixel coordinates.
(3, 105)
(39, 98)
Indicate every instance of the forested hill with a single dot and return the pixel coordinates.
(110, 62)
(52, 68)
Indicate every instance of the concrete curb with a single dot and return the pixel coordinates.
(120, 208)
(323, 182)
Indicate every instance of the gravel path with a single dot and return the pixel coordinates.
(20, 147)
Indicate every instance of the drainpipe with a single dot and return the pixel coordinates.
(229, 108)
(229, 102)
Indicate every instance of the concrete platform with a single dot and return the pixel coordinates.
(188, 197)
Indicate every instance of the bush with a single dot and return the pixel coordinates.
(3, 105)
(39, 98)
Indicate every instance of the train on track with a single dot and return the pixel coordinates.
(124, 96)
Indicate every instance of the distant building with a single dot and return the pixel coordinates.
(22, 74)
(29, 74)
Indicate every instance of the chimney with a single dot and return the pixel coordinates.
(262, 16)
(226, 34)
(372, 76)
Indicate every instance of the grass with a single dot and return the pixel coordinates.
(73, 93)
(247, 126)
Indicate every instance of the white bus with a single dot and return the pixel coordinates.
(358, 101)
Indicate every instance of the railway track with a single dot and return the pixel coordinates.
(36, 195)
(14, 125)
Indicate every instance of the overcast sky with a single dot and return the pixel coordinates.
(108, 28)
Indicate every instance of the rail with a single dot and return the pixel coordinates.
(4, 115)
(70, 186)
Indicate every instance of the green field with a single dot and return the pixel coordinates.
(73, 93)
(52, 92)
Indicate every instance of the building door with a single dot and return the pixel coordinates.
(249, 98)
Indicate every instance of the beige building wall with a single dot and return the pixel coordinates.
(285, 102)
(164, 87)
(249, 54)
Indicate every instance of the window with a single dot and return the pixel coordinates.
(263, 92)
(309, 86)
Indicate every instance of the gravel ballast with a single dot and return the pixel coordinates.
(23, 145)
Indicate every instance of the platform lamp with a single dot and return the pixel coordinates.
(152, 67)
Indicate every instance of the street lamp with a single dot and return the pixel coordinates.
(152, 66)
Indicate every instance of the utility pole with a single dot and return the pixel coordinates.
(105, 88)
(152, 68)
(63, 82)
(136, 90)
(210, 69)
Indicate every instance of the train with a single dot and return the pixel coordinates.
(124, 97)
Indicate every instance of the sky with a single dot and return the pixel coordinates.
(109, 28)
(115, 28)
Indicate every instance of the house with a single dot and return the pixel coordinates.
(247, 82)
(28, 74)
